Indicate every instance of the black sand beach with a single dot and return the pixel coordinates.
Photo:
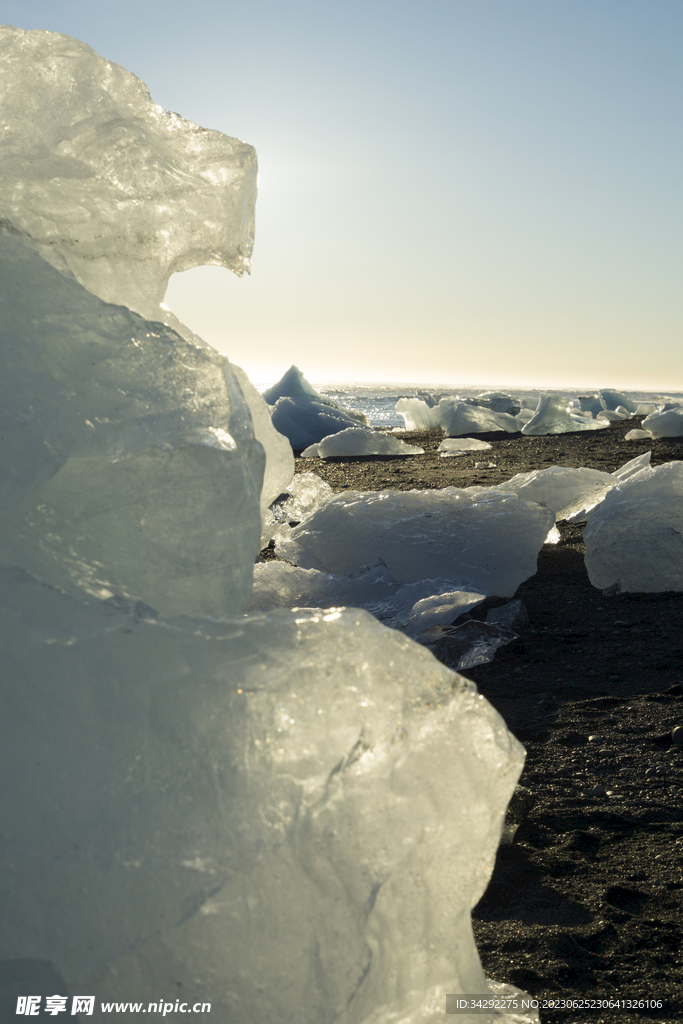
(585, 903)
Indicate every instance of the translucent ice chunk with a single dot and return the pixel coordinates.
(560, 488)
(460, 445)
(554, 417)
(411, 607)
(458, 418)
(106, 182)
(305, 421)
(360, 441)
(667, 423)
(635, 536)
(637, 435)
(487, 541)
(613, 399)
(292, 814)
(131, 465)
(418, 414)
(279, 468)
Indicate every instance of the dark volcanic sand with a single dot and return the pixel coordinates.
(586, 902)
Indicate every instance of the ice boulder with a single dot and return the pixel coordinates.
(305, 421)
(665, 423)
(458, 418)
(488, 541)
(104, 181)
(418, 414)
(288, 816)
(613, 400)
(499, 401)
(553, 416)
(634, 538)
(303, 415)
(131, 465)
(360, 441)
(129, 461)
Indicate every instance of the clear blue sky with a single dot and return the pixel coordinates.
(462, 191)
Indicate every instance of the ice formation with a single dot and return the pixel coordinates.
(279, 468)
(487, 541)
(667, 422)
(462, 445)
(305, 421)
(418, 414)
(288, 815)
(360, 441)
(458, 417)
(304, 416)
(634, 537)
(554, 417)
(637, 435)
(131, 462)
(410, 607)
(105, 182)
(613, 400)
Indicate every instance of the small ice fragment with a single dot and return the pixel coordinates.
(553, 537)
(637, 435)
(360, 441)
(459, 445)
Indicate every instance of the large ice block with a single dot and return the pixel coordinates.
(130, 461)
(553, 416)
(305, 421)
(634, 538)
(108, 183)
(288, 816)
(667, 422)
(457, 418)
(418, 414)
(130, 464)
(488, 541)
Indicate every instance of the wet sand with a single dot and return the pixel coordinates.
(585, 903)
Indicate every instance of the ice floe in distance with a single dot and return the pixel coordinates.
(360, 441)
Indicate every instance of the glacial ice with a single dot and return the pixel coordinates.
(461, 445)
(288, 815)
(305, 421)
(458, 418)
(410, 607)
(105, 182)
(130, 465)
(488, 541)
(554, 417)
(634, 537)
(279, 467)
(560, 488)
(304, 416)
(612, 400)
(665, 423)
(418, 414)
(360, 441)
(637, 435)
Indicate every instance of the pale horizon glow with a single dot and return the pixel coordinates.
(453, 194)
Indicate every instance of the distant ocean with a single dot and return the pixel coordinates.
(378, 401)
